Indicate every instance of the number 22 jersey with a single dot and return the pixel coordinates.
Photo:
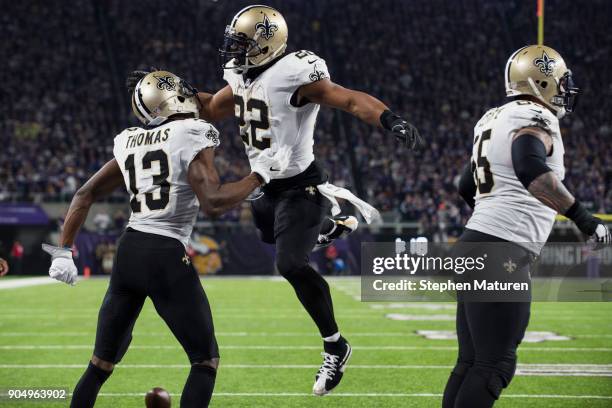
(267, 112)
(504, 207)
(154, 163)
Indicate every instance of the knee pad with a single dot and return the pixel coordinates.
(498, 377)
(507, 368)
(204, 369)
(494, 382)
(461, 368)
(213, 363)
(100, 373)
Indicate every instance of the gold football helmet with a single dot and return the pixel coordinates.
(256, 35)
(540, 71)
(161, 94)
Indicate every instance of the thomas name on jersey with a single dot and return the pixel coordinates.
(146, 138)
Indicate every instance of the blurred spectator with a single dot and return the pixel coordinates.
(334, 264)
(439, 62)
(17, 257)
(102, 221)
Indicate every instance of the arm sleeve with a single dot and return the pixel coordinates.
(467, 186)
(528, 158)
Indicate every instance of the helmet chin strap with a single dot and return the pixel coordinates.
(559, 110)
(157, 121)
(534, 88)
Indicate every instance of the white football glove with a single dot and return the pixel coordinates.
(269, 164)
(601, 236)
(62, 267)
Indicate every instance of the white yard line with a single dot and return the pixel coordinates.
(25, 282)
(365, 314)
(253, 334)
(548, 370)
(365, 394)
(303, 347)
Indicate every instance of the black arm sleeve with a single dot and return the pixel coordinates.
(528, 158)
(467, 186)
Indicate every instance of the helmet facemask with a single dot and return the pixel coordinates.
(567, 98)
(255, 37)
(237, 49)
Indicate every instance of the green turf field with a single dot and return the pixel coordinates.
(270, 349)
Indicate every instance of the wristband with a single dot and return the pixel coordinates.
(387, 118)
(582, 218)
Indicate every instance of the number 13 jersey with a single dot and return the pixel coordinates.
(154, 163)
(268, 114)
(504, 208)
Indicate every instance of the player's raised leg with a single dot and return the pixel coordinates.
(334, 228)
(179, 298)
(298, 217)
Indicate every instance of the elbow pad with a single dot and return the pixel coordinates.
(529, 158)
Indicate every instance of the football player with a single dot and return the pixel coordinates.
(514, 184)
(167, 168)
(276, 98)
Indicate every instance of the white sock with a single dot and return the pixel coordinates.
(333, 338)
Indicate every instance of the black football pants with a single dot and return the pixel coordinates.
(488, 334)
(292, 220)
(154, 266)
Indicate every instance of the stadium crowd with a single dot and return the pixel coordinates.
(438, 62)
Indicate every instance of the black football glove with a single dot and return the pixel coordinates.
(402, 130)
(133, 77)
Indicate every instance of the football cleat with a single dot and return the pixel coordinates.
(343, 226)
(331, 371)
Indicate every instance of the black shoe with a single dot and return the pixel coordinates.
(335, 359)
(343, 226)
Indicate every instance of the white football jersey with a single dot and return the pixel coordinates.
(266, 115)
(504, 208)
(154, 163)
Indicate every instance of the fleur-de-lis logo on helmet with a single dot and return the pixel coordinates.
(545, 63)
(267, 28)
(165, 82)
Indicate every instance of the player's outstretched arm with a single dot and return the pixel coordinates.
(216, 198)
(99, 185)
(530, 147)
(218, 106)
(365, 107)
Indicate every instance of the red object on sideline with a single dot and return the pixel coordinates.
(17, 250)
(86, 272)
